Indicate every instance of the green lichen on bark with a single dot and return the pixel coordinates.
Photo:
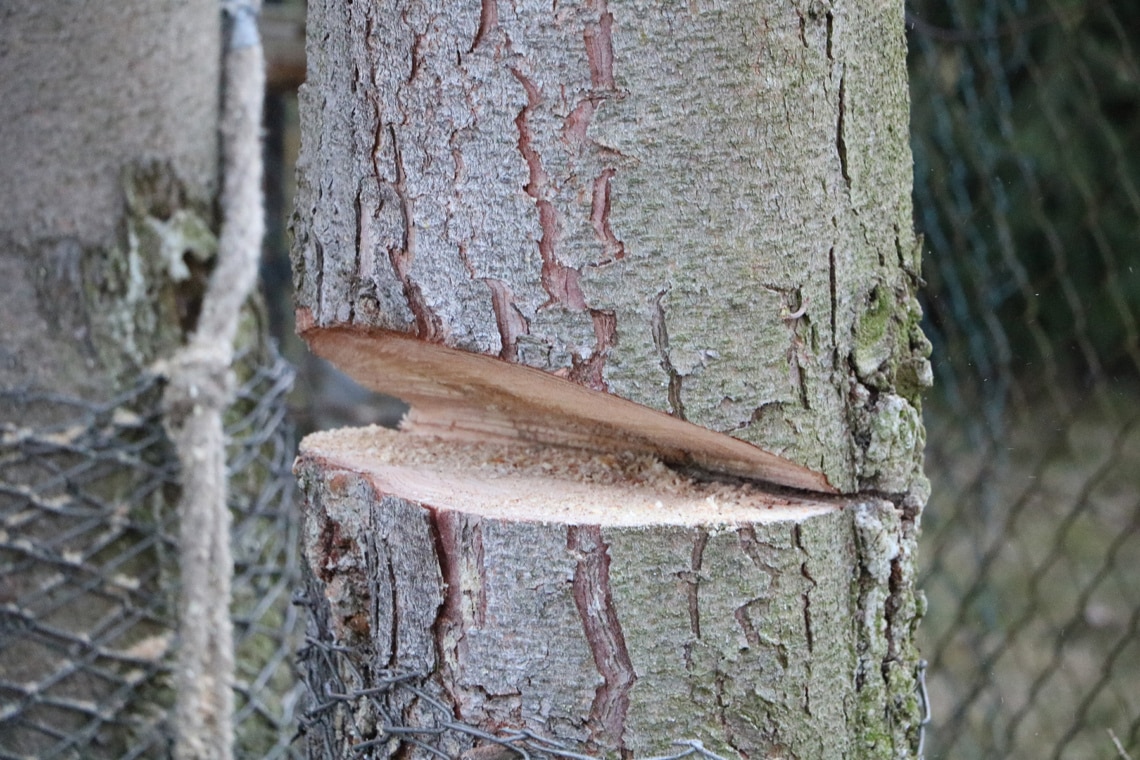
(888, 607)
(142, 294)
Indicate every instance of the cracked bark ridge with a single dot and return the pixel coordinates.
(596, 600)
(602, 628)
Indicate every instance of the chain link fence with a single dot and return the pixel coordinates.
(89, 568)
(1026, 140)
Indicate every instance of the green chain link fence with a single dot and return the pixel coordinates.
(88, 571)
(1026, 137)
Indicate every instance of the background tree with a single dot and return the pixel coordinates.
(109, 119)
(704, 210)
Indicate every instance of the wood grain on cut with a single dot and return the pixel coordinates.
(518, 481)
(462, 395)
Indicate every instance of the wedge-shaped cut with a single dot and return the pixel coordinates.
(468, 396)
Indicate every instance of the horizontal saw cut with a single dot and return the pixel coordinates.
(459, 395)
(513, 481)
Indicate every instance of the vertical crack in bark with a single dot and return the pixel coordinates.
(696, 562)
(830, 35)
(510, 321)
(394, 615)
(428, 324)
(661, 342)
(461, 547)
(602, 628)
(833, 292)
(612, 248)
(319, 254)
(893, 607)
(488, 22)
(797, 354)
(475, 583)
(692, 580)
(448, 629)
(365, 255)
(805, 571)
(840, 139)
(558, 280)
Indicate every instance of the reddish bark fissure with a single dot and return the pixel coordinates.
(612, 248)
(562, 282)
(559, 281)
(590, 371)
(603, 631)
(428, 324)
(509, 320)
(459, 549)
(488, 21)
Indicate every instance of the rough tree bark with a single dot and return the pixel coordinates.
(703, 208)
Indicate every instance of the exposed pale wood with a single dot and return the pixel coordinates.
(514, 479)
(458, 394)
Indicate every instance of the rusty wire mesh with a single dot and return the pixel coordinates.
(1027, 189)
(382, 713)
(88, 571)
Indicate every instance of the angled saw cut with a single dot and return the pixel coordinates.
(467, 396)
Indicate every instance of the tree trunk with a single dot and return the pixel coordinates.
(701, 209)
(108, 136)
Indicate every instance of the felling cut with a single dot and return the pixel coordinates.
(459, 395)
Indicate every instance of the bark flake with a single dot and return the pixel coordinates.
(661, 342)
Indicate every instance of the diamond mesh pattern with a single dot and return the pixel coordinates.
(1026, 147)
(88, 571)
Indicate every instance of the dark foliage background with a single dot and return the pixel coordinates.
(1027, 190)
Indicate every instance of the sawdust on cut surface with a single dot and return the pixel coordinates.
(544, 483)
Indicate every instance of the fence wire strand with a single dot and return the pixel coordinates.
(88, 564)
(1027, 167)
